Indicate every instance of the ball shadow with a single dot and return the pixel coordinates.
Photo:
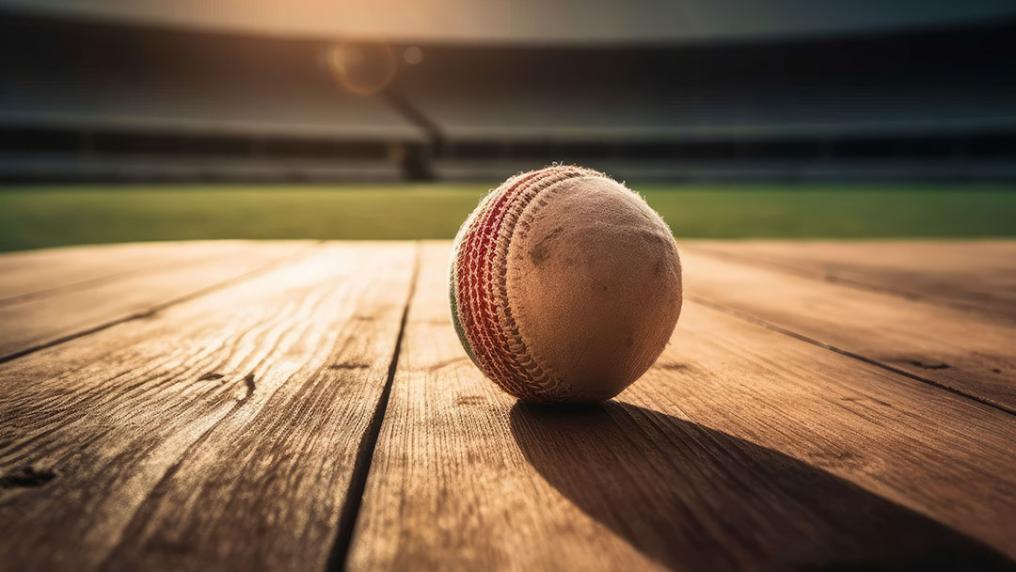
(690, 497)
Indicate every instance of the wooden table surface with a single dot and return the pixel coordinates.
(307, 406)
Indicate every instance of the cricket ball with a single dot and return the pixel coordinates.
(565, 285)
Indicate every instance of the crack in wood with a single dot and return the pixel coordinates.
(927, 365)
(351, 365)
(249, 381)
(172, 470)
(27, 477)
(863, 399)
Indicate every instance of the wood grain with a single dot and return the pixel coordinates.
(942, 345)
(129, 288)
(217, 434)
(744, 448)
(973, 275)
(226, 431)
(40, 273)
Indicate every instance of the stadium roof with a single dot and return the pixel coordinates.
(535, 21)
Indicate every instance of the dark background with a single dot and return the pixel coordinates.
(100, 99)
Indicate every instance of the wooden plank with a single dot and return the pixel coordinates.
(743, 448)
(40, 273)
(975, 275)
(221, 433)
(23, 274)
(35, 322)
(941, 345)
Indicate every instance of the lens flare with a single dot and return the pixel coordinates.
(363, 69)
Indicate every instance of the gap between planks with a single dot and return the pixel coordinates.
(967, 275)
(345, 536)
(30, 275)
(946, 347)
(736, 424)
(160, 306)
(818, 343)
(153, 495)
(339, 556)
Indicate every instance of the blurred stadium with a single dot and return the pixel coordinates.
(128, 121)
(111, 90)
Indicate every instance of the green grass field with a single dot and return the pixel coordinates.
(34, 217)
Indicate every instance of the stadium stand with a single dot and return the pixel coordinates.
(886, 107)
(95, 102)
(102, 100)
